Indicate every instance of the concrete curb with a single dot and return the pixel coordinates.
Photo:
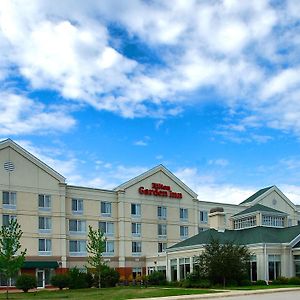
(223, 294)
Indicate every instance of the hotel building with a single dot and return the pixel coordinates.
(151, 222)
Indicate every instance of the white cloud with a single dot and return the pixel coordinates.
(21, 115)
(221, 162)
(67, 47)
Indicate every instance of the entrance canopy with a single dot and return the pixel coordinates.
(40, 264)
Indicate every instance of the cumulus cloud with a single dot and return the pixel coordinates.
(21, 115)
(233, 47)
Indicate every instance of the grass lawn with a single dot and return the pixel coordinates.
(118, 293)
(263, 287)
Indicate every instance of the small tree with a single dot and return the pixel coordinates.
(11, 259)
(95, 248)
(221, 263)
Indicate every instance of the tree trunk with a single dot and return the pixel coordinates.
(99, 284)
(224, 282)
(6, 288)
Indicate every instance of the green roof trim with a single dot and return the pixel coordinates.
(254, 235)
(40, 264)
(256, 195)
(259, 208)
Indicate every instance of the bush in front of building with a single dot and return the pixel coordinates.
(60, 280)
(260, 282)
(294, 280)
(109, 277)
(26, 282)
(280, 281)
(77, 279)
(157, 278)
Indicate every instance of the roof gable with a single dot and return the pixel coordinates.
(159, 168)
(256, 195)
(258, 208)
(8, 143)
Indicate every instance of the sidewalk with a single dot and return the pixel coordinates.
(223, 294)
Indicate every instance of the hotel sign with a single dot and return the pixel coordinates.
(159, 190)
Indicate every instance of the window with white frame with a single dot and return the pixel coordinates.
(9, 200)
(105, 209)
(135, 210)
(184, 232)
(45, 224)
(136, 229)
(161, 247)
(8, 218)
(77, 226)
(107, 228)
(77, 247)
(245, 222)
(183, 214)
(162, 230)
(109, 248)
(8, 281)
(77, 206)
(45, 246)
(274, 262)
(136, 247)
(162, 212)
(201, 229)
(44, 202)
(272, 221)
(203, 216)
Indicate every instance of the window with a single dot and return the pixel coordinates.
(201, 229)
(45, 224)
(11, 281)
(161, 247)
(109, 248)
(253, 268)
(44, 247)
(183, 214)
(162, 212)
(136, 272)
(135, 210)
(203, 217)
(76, 226)
(105, 209)
(7, 218)
(184, 267)
(245, 222)
(173, 264)
(44, 202)
(184, 231)
(77, 248)
(136, 247)
(107, 228)
(272, 221)
(162, 230)
(274, 266)
(9, 200)
(77, 206)
(136, 229)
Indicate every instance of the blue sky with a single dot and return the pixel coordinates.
(105, 90)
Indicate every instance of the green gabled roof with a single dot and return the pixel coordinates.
(254, 235)
(258, 207)
(256, 195)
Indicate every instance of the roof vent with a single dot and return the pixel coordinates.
(9, 166)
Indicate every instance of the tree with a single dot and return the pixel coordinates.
(221, 263)
(11, 259)
(96, 247)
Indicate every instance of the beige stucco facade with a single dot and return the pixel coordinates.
(142, 219)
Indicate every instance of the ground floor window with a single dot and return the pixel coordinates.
(297, 265)
(163, 270)
(274, 266)
(136, 272)
(9, 282)
(173, 264)
(253, 268)
(184, 267)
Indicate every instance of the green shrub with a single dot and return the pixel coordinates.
(60, 280)
(294, 280)
(26, 282)
(157, 278)
(245, 282)
(109, 277)
(280, 281)
(77, 279)
(90, 279)
(260, 282)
